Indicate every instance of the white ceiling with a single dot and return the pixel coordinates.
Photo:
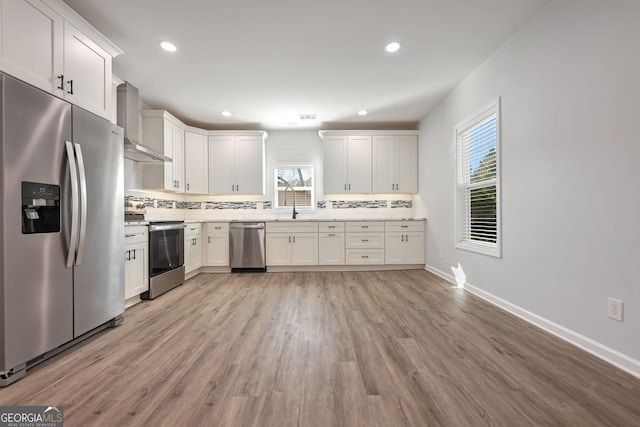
(268, 60)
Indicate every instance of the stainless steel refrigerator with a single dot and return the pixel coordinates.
(62, 233)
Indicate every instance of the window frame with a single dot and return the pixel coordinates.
(461, 184)
(312, 188)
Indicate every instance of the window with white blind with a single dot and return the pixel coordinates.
(478, 183)
(290, 180)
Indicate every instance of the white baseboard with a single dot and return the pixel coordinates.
(609, 355)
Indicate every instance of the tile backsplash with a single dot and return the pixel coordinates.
(170, 206)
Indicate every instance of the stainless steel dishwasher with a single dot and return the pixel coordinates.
(246, 246)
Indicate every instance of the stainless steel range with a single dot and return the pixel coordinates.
(166, 257)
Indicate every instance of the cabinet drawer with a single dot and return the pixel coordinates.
(365, 226)
(136, 234)
(192, 229)
(404, 226)
(365, 256)
(218, 228)
(364, 240)
(292, 227)
(331, 227)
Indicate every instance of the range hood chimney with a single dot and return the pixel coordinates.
(129, 120)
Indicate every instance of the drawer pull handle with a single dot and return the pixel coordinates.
(332, 235)
(365, 240)
(332, 226)
(129, 235)
(365, 256)
(404, 226)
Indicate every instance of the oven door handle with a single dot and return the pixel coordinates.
(164, 227)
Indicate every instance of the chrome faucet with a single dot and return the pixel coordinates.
(288, 186)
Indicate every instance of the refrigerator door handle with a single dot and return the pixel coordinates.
(83, 204)
(73, 174)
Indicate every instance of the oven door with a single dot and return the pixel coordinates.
(166, 247)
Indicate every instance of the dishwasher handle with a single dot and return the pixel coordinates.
(246, 225)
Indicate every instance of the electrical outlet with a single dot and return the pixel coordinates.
(614, 309)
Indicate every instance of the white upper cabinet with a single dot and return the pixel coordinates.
(236, 162)
(87, 73)
(347, 164)
(335, 166)
(45, 43)
(31, 48)
(395, 164)
(196, 163)
(164, 133)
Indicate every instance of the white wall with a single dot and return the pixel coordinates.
(570, 88)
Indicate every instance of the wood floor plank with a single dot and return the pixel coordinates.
(386, 348)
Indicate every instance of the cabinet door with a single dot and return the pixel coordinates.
(178, 158)
(218, 250)
(196, 252)
(278, 248)
(384, 164)
(394, 248)
(414, 247)
(335, 166)
(331, 249)
(196, 163)
(249, 165)
(304, 250)
(188, 243)
(359, 164)
(31, 43)
(139, 269)
(128, 283)
(407, 164)
(87, 73)
(222, 159)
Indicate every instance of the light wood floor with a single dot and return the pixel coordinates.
(327, 349)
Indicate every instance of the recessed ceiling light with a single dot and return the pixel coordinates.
(226, 113)
(168, 46)
(392, 47)
(363, 112)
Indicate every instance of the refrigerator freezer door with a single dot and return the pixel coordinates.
(36, 298)
(99, 279)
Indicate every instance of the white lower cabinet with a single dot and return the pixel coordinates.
(217, 245)
(331, 243)
(192, 248)
(136, 263)
(291, 243)
(404, 242)
(364, 242)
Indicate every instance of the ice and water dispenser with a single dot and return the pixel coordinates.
(40, 208)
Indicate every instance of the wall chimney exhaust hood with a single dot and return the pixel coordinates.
(129, 119)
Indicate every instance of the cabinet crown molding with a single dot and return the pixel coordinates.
(168, 116)
(324, 133)
(71, 16)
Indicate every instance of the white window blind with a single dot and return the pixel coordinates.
(301, 180)
(478, 170)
